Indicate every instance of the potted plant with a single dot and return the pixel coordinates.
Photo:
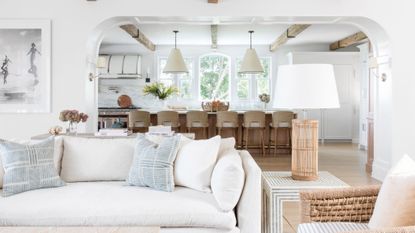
(159, 90)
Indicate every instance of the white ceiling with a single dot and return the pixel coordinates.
(231, 31)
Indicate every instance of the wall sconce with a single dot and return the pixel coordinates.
(101, 63)
(374, 64)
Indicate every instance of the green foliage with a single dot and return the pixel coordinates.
(160, 90)
(214, 77)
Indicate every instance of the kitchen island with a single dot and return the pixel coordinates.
(111, 115)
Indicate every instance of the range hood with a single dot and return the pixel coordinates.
(121, 66)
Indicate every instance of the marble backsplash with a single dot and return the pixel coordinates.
(110, 89)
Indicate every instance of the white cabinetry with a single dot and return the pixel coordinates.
(341, 123)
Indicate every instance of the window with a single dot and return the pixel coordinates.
(249, 86)
(182, 81)
(214, 76)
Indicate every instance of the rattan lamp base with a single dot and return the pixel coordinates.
(304, 161)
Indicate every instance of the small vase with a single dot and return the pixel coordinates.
(72, 128)
(264, 106)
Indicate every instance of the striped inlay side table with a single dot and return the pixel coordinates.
(278, 187)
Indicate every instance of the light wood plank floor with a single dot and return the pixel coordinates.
(344, 160)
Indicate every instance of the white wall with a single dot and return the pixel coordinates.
(73, 23)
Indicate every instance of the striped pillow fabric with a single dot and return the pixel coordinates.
(153, 163)
(28, 167)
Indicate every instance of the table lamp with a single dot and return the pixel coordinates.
(304, 87)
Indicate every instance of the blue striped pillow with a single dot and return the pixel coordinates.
(28, 167)
(153, 164)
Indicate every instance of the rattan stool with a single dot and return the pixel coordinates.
(169, 118)
(138, 121)
(282, 119)
(254, 120)
(197, 120)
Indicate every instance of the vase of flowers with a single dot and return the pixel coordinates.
(74, 117)
(160, 91)
(264, 98)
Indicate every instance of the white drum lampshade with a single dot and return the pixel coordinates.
(305, 86)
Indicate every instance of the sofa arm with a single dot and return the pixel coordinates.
(410, 229)
(354, 204)
(248, 210)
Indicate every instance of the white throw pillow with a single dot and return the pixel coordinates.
(395, 205)
(228, 179)
(195, 162)
(1, 174)
(96, 159)
(225, 145)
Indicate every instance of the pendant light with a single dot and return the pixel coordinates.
(250, 63)
(175, 62)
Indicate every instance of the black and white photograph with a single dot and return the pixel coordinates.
(24, 67)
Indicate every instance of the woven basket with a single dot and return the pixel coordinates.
(215, 107)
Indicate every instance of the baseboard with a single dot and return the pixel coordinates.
(380, 169)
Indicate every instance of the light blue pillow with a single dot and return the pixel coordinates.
(153, 164)
(28, 167)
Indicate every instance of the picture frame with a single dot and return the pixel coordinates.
(25, 66)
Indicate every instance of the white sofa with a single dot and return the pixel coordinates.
(113, 203)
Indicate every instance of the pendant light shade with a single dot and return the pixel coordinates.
(175, 62)
(250, 63)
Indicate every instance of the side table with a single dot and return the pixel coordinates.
(278, 187)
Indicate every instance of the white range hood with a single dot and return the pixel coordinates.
(121, 66)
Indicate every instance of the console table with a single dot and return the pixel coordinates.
(278, 187)
(79, 229)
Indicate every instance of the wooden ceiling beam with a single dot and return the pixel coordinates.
(214, 35)
(213, 1)
(139, 36)
(350, 40)
(291, 32)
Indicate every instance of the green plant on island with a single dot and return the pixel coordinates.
(159, 90)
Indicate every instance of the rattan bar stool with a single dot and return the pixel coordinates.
(254, 120)
(169, 118)
(139, 121)
(228, 120)
(282, 119)
(198, 120)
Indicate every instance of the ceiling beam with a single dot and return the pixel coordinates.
(350, 40)
(213, 1)
(139, 36)
(214, 35)
(290, 33)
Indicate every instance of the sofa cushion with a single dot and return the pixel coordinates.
(57, 156)
(153, 164)
(228, 180)
(114, 204)
(195, 162)
(96, 159)
(331, 227)
(395, 205)
(28, 167)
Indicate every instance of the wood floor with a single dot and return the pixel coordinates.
(343, 160)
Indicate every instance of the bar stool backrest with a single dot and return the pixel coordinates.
(282, 119)
(168, 118)
(138, 119)
(197, 119)
(227, 119)
(254, 119)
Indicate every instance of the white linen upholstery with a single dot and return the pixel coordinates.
(96, 159)
(249, 205)
(228, 179)
(197, 230)
(225, 145)
(195, 162)
(331, 227)
(1, 174)
(114, 204)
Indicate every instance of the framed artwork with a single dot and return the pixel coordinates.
(25, 61)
